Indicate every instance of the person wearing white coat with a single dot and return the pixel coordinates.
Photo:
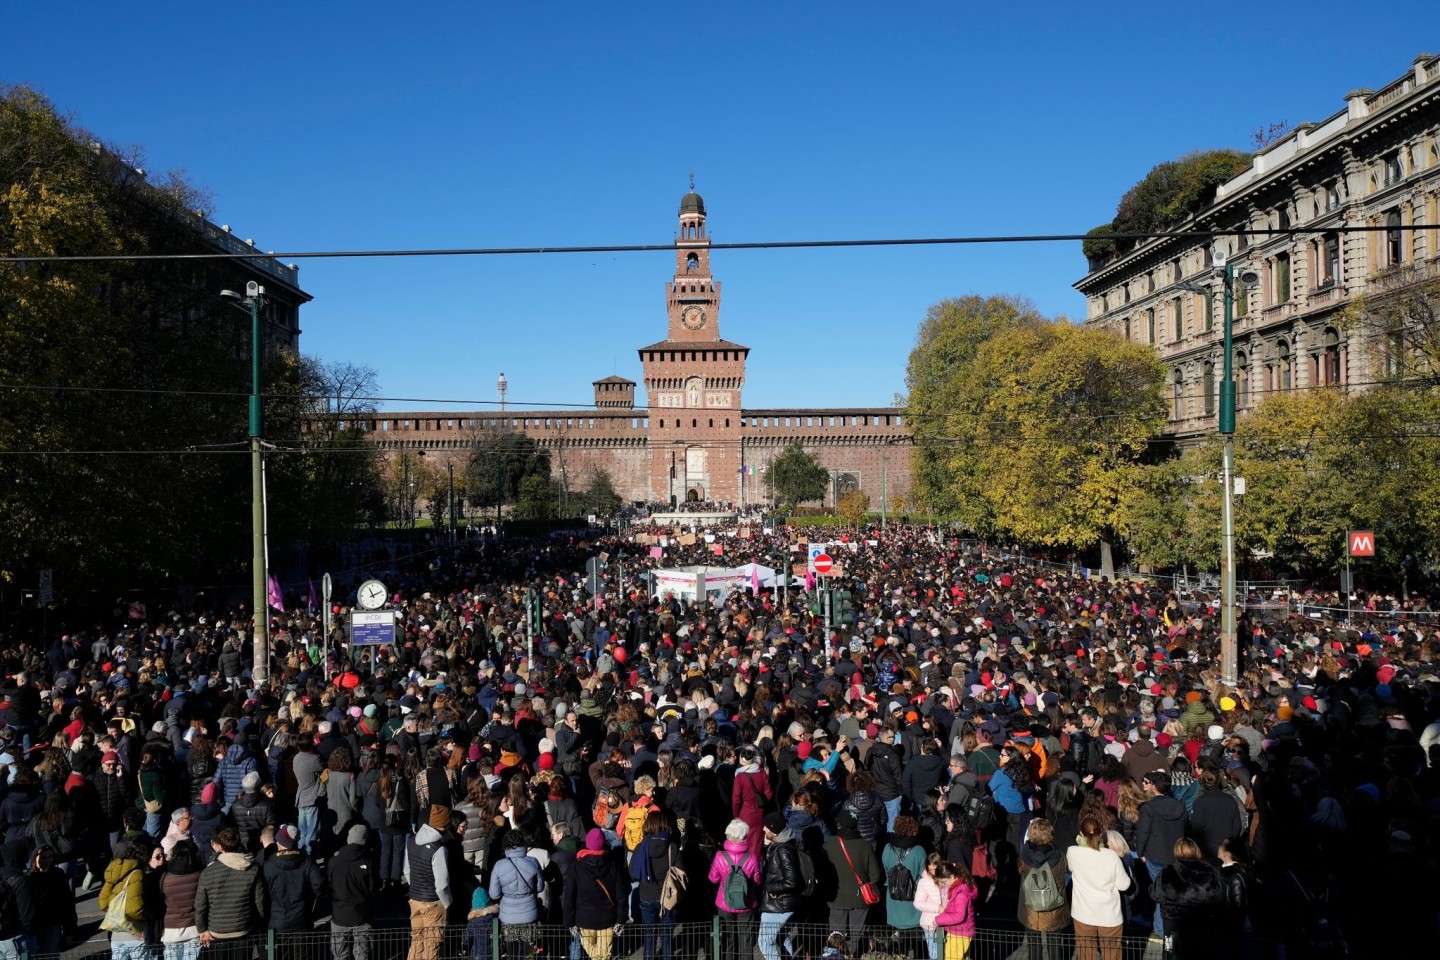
(1098, 877)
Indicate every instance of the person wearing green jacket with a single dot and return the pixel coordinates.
(901, 914)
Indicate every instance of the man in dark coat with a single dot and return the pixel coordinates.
(352, 897)
(293, 883)
(1161, 823)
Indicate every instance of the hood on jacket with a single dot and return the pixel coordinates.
(236, 861)
(1166, 807)
(288, 860)
(1143, 748)
(428, 834)
(236, 754)
(249, 799)
(1045, 854)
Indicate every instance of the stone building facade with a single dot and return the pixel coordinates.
(1374, 164)
(693, 439)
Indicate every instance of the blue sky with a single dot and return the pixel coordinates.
(363, 125)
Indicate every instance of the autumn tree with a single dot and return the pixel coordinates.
(853, 506)
(949, 338)
(1033, 429)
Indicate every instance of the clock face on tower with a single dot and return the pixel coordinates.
(693, 317)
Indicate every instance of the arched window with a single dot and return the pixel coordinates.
(1209, 387)
(692, 263)
(1330, 359)
(1394, 245)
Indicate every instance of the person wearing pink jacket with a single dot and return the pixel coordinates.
(958, 917)
(737, 913)
(930, 890)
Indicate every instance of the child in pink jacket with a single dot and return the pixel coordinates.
(930, 892)
(958, 917)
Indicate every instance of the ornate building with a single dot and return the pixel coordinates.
(1376, 164)
(694, 440)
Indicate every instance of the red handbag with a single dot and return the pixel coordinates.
(868, 893)
(981, 866)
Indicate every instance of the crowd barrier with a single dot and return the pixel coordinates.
(488, 939)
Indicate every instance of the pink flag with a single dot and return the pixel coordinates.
(273, 596)
(809, 580)
(755, 578)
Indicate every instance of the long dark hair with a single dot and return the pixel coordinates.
(184, 858)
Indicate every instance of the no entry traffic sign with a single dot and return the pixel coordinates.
(823, 563)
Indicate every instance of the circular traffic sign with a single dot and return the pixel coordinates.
(823, 563)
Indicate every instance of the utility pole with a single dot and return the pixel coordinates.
(260, 665)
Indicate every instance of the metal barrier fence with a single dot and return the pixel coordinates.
(716, 939)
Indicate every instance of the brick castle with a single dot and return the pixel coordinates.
(694, 441)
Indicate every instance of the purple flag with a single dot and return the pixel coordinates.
(273, 596)
(311, 600)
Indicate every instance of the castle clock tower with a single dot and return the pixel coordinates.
(693, 379)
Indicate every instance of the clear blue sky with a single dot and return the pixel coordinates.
(362, 125)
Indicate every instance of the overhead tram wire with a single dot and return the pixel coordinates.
(1249, 232)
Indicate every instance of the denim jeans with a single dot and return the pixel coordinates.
(774, 927)
(1155, 870)
(392, 856)
(307, 821)
(155, 825)
(659, 930)
(133, 950)
(892, 810)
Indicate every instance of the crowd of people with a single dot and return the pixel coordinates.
(990, 746)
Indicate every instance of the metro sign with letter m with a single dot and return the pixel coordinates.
(1361, 543)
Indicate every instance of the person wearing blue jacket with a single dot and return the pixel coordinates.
(1009, 785)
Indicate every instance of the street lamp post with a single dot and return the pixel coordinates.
(1229, 648)
(450, 510)
(260, 667)
(1229, 645)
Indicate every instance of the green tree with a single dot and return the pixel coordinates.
(797, 477)
(536, 498)
(501, 461)
(324, 478)
(600, 495)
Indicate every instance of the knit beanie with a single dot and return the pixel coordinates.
(439, 817)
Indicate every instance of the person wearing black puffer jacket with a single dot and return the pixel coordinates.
(252, 811)
(783, 885)
(866, 804)
(293, 883)
(1190, 894)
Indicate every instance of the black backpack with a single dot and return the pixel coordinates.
(980, 809)
(900, 881)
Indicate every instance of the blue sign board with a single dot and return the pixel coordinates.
(368, 629)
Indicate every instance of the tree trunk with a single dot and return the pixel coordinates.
(1107, 561)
